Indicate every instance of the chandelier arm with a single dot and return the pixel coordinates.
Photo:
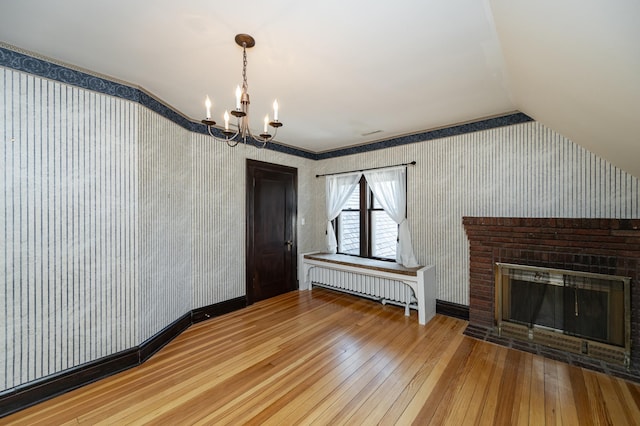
(260, 144)
(235, 135)
(275, 132)
(230, 138)
(227, 139)
(260, 139)
(232, 145)
(255, 138)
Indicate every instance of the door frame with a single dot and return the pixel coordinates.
(252, 166)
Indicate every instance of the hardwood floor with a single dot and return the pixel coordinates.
(322, 357)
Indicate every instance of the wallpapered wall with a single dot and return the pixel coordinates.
(116, 221)
(69, 224)
(523, 170)
(164, 221)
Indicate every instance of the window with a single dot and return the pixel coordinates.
(363, 228)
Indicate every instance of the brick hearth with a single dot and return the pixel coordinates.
(604, 246)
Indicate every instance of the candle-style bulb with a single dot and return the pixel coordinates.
(207, 104)
(275, 110)
(226, 120)
(238, 97)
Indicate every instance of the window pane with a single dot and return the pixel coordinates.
(349, 233)
(354, 201)
(384, 235)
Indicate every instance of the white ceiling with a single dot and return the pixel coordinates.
(343, 69)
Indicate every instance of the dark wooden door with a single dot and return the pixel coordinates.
(271, 230)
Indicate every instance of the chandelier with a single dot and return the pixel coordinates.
(241, 111)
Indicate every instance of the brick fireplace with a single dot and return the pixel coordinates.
(602, 246)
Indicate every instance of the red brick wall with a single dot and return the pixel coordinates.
(604, 246)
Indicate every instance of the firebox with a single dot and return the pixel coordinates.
(580, 312)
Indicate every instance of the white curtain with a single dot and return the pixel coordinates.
(389, 186)
(339, 189)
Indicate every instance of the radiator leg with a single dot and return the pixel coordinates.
(407, 295)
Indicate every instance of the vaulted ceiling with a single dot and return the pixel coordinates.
(352, 72)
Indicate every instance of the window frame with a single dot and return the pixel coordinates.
(366, 207)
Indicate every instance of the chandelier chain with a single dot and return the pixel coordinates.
(245, 86)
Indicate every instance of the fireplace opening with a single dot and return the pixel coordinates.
(577, 311)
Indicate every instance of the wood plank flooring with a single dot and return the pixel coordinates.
(320, 357)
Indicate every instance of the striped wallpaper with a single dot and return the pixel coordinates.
(68, 219)
(218, 221)
(116, 221)
(164, 222)
(522, 170)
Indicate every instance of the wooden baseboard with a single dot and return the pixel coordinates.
(160, 339)
(206, 312)
(32, 393)
(48, 387)
(452, 309)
